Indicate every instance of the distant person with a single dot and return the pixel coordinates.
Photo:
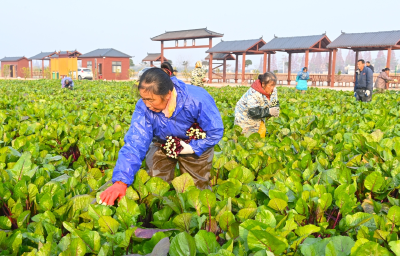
(381, 82)
(301, 79)
(198, 75)
(364, 82)
(258, 104)
(370, 66)
(67, 83)
(175, 72)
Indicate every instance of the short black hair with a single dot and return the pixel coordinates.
(386, 69)
(167, 66)
(305, 68)
(368, 62)
(267, 77)
(156, 81)
(362, 61)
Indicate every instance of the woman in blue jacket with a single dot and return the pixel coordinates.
(168, 107)
(301, 79)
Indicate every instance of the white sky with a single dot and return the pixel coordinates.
(29, 27)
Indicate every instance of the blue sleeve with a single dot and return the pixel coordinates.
(137, 142)
(72, 82)
(370, 80)
(62, 82)
(210, 121)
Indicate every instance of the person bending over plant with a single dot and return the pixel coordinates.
(257, 104)
(168, 109)
(67, 83)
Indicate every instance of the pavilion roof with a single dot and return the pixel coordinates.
(186, 34)
(42, 55)
(297, 43)
(222, 56)
(238, 46)
(154, 57)
(369, 41)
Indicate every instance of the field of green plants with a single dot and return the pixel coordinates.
(324, 181)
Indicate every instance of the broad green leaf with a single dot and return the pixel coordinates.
(277, 204)
(374, 181)
(208, 198)
(263, 240)
(226, 220)
(182, 221)
(394, 215)
(5, 223)
(183, 182)
(265, 216)
(183, 245)
(206, 242)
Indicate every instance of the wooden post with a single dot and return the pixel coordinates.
(306, 59)
(289, 68)
(355, 68)
(42, 68)
(162, 51)
(210, 68)
(265, 62)
(330, 69)
(151, 64)
(269, 62)
(236, 68)
(388, 57)
(224, 72)
(243, 67)
(31, 68)
(333, 68)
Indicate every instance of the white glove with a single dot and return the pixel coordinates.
(367, 93)
(187, 149)
(274, 111)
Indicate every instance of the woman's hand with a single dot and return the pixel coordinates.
(117, 190)
(187, 149)
(274, 111)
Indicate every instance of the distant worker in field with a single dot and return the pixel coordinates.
(364, 82)
(257, 104)
(370, 66)
(199, 75)
(302, 79)
(382, 82)
(167, 108)
(175, 72)
(67, 83)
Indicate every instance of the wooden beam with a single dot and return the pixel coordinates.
(355, 68)
(243, 67)
(289, 68)
(269, 62)
(31, 68)
(306, 59)
(211, 60)
(333, 68)
(186, 47)
(236, 68)
(265, 62)
(210, 68)
(330, 69)
(224, 72)
(162, 51)
(389, 57)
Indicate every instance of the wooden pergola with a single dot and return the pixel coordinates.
(224, 57)
(41, 56)
(239, 47)
(191, 34)
(358, 42)
(152, 57)
(299, 44)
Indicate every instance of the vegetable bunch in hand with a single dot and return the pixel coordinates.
(174, 145)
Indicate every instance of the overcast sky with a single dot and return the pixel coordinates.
(29, 27)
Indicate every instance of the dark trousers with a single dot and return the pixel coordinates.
(360, 95)
(199, 167)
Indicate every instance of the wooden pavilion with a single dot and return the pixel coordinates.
(299, 44)
(152, 57)
(224, 57)
(41, 56)
(239, 47)
(191, 34)
(358, 42)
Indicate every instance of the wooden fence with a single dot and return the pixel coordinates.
(315, 79)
